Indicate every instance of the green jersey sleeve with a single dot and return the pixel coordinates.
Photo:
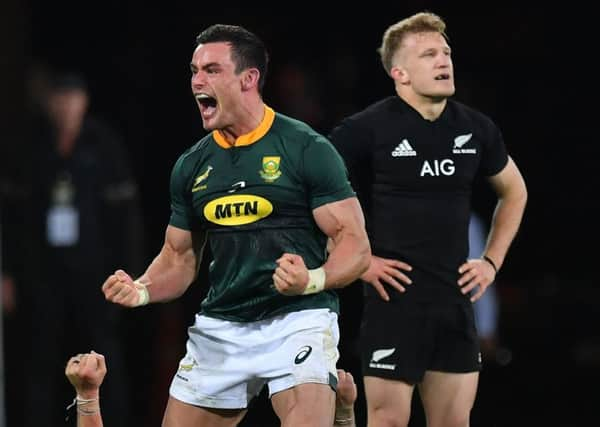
(181, 207)
(325, 173)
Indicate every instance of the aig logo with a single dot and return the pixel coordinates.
(438, 167)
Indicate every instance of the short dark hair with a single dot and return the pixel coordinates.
(247, 49)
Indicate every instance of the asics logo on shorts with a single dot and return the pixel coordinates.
(303, 354)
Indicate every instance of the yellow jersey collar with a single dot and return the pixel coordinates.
(250, 137)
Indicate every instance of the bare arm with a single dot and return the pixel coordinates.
(344, 402)
(390, 271)
(343, 223)
(86, 373)
(512, 197)
(167, 277)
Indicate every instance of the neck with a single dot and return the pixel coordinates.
(429, 108)
(247, 116)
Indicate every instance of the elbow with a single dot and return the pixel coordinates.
(520, 199)
(521, 193)
(516, 198)
(180, 291)
(174, 290)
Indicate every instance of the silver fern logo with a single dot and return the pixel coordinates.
(382, 354)
(461, 140)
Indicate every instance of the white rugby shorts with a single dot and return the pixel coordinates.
(227, 363)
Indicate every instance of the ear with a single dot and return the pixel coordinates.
(399, 75)
(250, 79)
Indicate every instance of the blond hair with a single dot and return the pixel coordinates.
(422, 22)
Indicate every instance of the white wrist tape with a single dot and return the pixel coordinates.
(143, 295)
(316, 281)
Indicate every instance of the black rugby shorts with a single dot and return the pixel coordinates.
(400, 340)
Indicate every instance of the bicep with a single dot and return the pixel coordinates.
(179, 247)
(508, 181)
(340, 216)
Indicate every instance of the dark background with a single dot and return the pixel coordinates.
(530, 68)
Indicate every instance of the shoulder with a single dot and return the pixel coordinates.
(295, 131)
(192, 154)
(378, 115)
(198, 149)
(462, 114)
(376, 111)
(302, 143)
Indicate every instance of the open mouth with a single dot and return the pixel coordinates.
(443, 77)
(207, 105)
(206, 101)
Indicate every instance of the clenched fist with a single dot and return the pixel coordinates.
(291, 275)
(121, 289)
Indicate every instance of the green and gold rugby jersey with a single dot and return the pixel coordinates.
(255, 202)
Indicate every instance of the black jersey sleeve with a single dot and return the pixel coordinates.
(495, 155)
(354, 143)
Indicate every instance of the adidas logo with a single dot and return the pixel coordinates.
(404, 150)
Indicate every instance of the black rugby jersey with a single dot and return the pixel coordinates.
(414, 179)
(255, 202)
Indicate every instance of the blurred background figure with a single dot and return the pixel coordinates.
(81, 216)
(9, 321)
(487, 308)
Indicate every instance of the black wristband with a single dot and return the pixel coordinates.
(489, 260)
